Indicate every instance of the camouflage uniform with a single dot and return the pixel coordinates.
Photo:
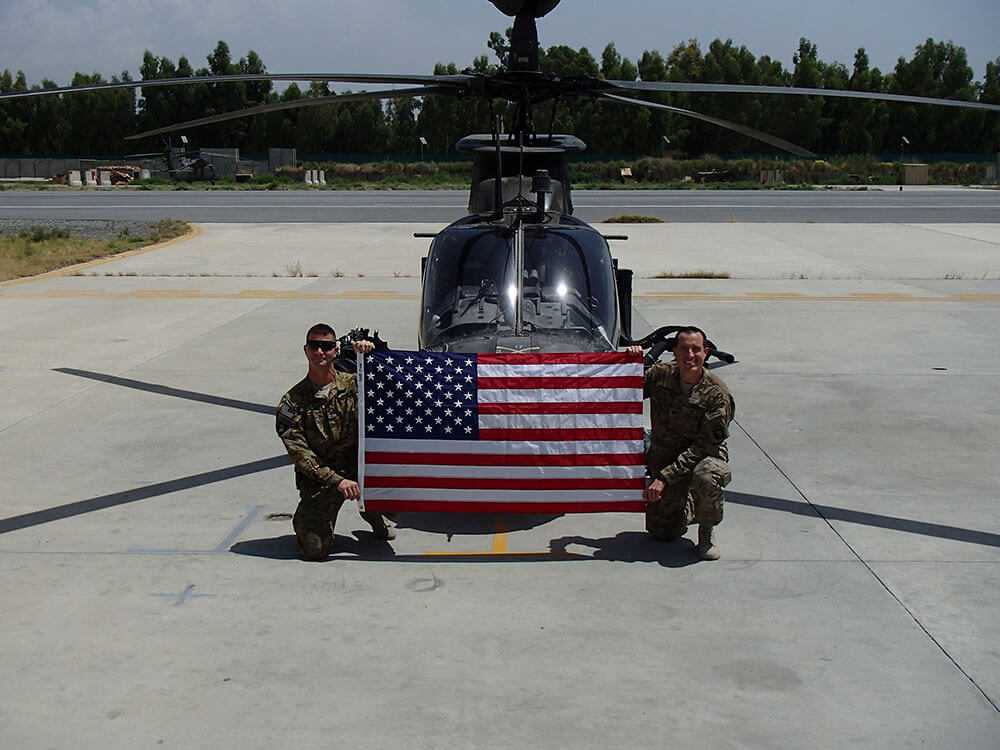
(319, 427)
(688, 449)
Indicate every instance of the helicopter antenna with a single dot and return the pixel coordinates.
(552, 119)
(498, 183)
(519, 243)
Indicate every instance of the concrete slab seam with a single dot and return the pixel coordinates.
(221, 548)
(871, 570)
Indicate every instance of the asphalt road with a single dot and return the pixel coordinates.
(912, 205)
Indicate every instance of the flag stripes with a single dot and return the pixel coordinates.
(514, 433)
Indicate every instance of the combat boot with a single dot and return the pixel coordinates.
(380, 528)
(707, 549)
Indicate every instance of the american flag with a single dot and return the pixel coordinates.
(501, 433)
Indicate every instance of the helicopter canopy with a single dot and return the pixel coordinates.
(568, 297)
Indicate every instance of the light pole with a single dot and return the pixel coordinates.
(903, 141)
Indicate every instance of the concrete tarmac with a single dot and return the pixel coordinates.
(153, 596)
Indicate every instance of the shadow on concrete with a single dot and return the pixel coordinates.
(628, 546)
(445, 523)
(893, 523)
(80, 507)
(363, 545)
(632, 546)
(166, 390)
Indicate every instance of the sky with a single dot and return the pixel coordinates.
(53, 39)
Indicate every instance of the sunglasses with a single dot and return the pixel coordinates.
(326, 346)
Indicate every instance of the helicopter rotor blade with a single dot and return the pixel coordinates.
(295, 104)
(758, 135)
(740, 88)
(458, 80)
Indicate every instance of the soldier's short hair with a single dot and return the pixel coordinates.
(321, 329)
(690, 329)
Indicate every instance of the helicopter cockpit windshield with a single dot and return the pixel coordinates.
(566, 299)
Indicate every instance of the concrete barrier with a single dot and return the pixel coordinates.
(104, 177)
(89, 177)
(771, 177)
(322, 176)
(74, 178)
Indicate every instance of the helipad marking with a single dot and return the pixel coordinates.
(187, 593)
(221, 548)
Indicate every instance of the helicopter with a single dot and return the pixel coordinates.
(185, 164)
(519, 273)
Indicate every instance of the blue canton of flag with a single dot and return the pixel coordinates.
(421, 395)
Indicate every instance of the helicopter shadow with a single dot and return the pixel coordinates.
(627, 546)
(631, 547)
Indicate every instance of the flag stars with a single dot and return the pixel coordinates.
(408, 392)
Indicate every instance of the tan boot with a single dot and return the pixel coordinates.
(380, 528)
(707, 549)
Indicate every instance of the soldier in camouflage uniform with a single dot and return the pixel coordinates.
(317, 420)
(691, 409)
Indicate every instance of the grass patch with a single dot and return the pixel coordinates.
(700, 273)
(633, 219)
(40, 250)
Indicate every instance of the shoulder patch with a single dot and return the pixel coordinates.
(285, 418)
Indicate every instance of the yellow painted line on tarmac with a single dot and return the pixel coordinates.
(66, 293)
(197, 294)
(500, 536)
(193, 231)
(163, 293)
(797, 297)
(506, 555)
(981, 297)
(267, 293)
(393, 296)
(500, 547)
